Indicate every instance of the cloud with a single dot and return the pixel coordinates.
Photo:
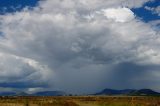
(17, 69)
(119, 14)
(155, 10)
(76, 46)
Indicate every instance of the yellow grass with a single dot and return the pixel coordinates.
(80, 101)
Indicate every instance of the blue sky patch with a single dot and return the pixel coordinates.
(9, 6)
(145, 14)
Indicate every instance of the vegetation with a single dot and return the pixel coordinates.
(81, 101)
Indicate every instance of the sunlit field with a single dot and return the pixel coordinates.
(80, 101)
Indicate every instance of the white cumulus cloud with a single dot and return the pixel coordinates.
(119, 14)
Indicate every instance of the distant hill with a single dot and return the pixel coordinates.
(144, 92)
(22, 94)
(43, 93)
(127, 92)
(7, 93)
(50, 93)
(115, 92)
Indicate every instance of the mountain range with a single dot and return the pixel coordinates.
(43, 93)
(127, 92)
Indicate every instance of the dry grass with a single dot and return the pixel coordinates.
(80, 101)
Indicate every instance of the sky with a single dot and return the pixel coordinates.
(80, 46)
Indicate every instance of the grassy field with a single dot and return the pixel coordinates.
(80, 101)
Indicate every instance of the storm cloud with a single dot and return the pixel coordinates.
(79, 46)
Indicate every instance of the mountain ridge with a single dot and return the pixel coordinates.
(128, 92)
(125, 92)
